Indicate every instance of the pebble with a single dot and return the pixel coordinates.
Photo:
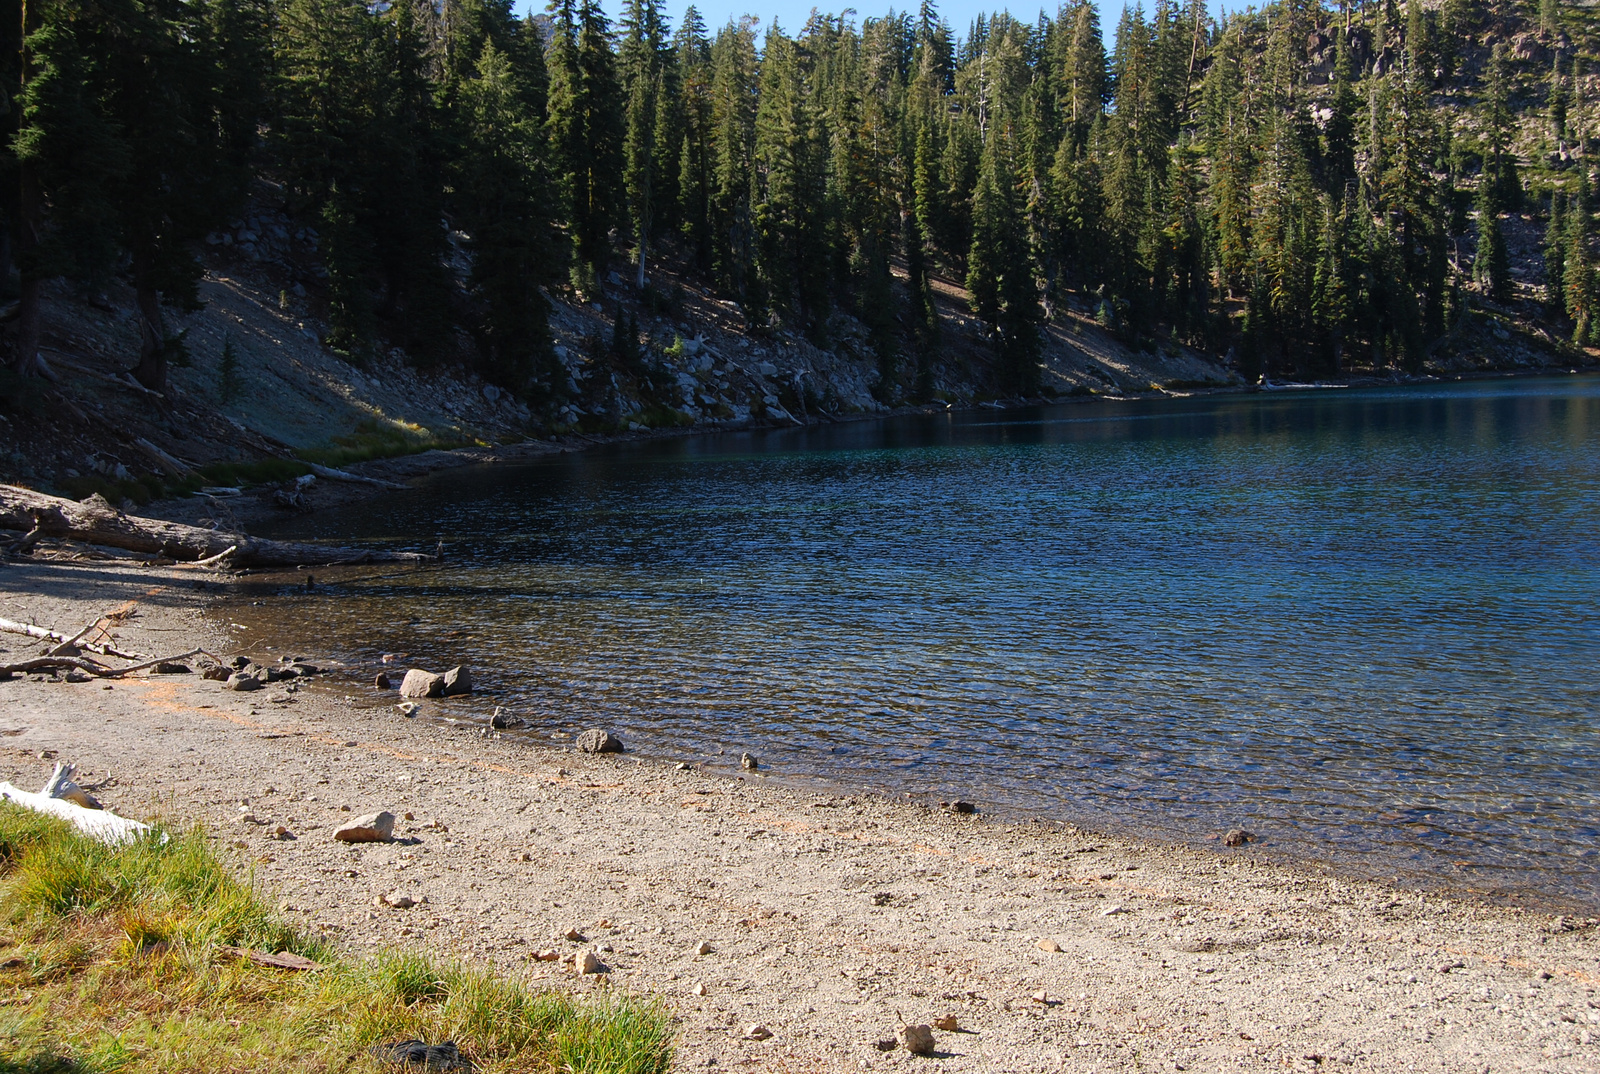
(589, 962)
(1114, 908)
(747, 761)
(948, 1023)
(574, 935)
(1238, 838)
(1047, 944)
(757, 1031)
(704, 948)
(963, 807)
(918, 1039)
(547, 954)
(408, 708)
(399, 900)
(699, 989)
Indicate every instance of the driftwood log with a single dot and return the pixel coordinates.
(95, 521)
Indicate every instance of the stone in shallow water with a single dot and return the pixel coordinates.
(419, 683)
(595, 740)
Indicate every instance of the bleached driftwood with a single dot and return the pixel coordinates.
(101, 824)
(12, 627)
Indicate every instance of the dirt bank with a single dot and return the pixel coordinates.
(827, 917)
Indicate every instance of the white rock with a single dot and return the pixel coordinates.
(589, 962)
(704, 948)
(371, 828)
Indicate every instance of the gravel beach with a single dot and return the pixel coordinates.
(828, 918)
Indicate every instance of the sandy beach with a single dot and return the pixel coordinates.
(828, 918)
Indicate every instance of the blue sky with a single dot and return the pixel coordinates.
(792, 14)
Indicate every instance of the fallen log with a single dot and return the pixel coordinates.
(101, 824)
(40, 632)
(95, 521)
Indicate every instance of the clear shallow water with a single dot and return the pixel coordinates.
(1362, 623)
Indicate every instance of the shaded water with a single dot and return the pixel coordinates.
(1362, 623)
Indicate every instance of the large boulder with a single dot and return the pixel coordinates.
(419, 683)
(595, 740)
(458, 680)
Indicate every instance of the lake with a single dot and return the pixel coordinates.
(1361, 623)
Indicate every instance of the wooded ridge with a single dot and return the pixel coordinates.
(1309, 192)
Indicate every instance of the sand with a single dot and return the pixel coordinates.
(827, 917)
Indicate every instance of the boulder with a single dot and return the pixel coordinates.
(372, 828)
(381, 681)
(595, 740)
(458, 680)
(216, 673)
(237, 681)
(419, 683)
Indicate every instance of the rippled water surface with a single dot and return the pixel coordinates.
(1362, 623)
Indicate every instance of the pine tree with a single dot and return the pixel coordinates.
(1491, 266)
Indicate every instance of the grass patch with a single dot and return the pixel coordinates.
(112, 961)
(380, 440)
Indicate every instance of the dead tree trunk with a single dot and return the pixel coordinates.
(94, 521)
(152, 368)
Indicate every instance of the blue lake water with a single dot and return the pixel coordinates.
(1364, 624)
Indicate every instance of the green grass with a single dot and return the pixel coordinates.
(380, 440)
(114, 963)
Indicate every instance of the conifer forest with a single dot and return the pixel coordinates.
(1311, 192)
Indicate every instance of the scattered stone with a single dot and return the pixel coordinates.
(882, 898)
(1446, 967)
(408, 708)
(948, 1023)
(547, 954)
(415, 1053)
(574, 935)
(502, 721)
(963, 808)
(216, 673)
(399, 900)
(171, 667)
(457, 681)
(249, 818)
(1114, 908)
(589, 962)
(595, 740)
(757, 1031)
(419, 683)
(381, 681)
(918, 1039)
(1238, 838)
(705, 948)
(1042, 996)
(241, 682)
(888, 1044)
(683, 766)
(372, 828)
(1047, 944)
(747, 761)
(699, 989)
(282, 833)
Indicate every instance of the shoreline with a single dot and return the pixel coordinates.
(827, 915)
(255, 507)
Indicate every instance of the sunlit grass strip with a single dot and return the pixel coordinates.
(112, 961)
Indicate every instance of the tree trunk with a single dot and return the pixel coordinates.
(152, 368)
(94, 521)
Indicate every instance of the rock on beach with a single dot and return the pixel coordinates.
(419, 683)
(371, 828)
(595, 740)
